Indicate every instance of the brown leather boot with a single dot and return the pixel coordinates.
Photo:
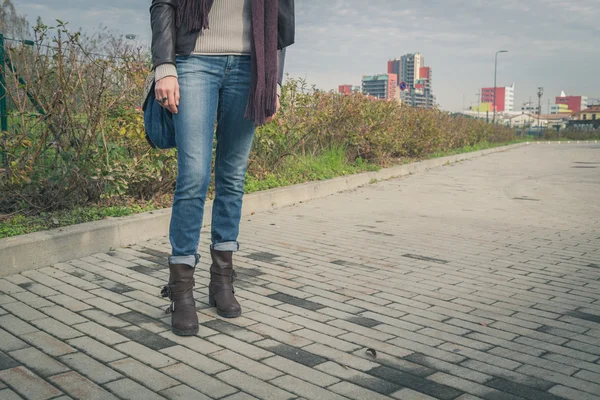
(184, 320)
(220, 290)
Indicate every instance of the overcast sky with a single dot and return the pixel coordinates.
(551, 43)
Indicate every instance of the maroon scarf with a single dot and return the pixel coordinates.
(263, 91)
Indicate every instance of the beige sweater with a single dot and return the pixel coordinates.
(229, 33)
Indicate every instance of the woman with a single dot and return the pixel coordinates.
(214, 61)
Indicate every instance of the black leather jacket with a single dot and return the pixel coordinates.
(168, 41)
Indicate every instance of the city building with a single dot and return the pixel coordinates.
(412, 72)
(382, 86)
(482, 108)
(530, 107)
(504, 98)
(560, 109)
(592, 113)
(349, 89)
(574, 103)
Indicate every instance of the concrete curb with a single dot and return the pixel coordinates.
(40, 249)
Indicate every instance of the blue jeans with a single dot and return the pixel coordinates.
(213, 89)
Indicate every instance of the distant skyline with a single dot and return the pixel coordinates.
(551, 43)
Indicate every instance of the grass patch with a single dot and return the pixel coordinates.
(21, 224)
(477, 147)
(297, 169)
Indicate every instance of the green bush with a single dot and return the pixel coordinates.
(81, 141)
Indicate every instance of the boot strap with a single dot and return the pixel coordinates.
(219, 287)
(226, 273)
(188, 301)
(176, 291)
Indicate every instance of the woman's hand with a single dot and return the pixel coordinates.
(167, 93)
(272, 117)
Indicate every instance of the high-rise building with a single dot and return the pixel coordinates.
(412, 72)
(574, 103)
(504, 100)
(382, 86)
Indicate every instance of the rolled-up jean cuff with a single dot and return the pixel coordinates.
(226, 246)
(185, 260)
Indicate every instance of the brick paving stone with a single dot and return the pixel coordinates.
(471, 387)
(327, 340)
(23, 311)
(246, 365)
(9, 342)
(194, 343)
(206, 384)
(579, 384)
(301, 371)
(248, 350)
(272, 321)
(63, 315)
(48, 344)
(114, 294)
(254, 386)
(519, 390)
(80, 387)
(69, 302)
(90, 368)
(363, 331)
(38, 362)
(130, 390)
(107, 306)
(196, 360)
(184, 392)
(359, 378)
(74, 292)
(7, 362)
(28, 385)
(147, 376)
(104, 319)
(506, 374)
(340, 357)
(305, 389)
(146, 355)
(96, 349)
(237, 332)
(269, 332)
(409, 394)
(16, 326)
(355, 392)
(56, 328)
(317, 315)
(7, 394)
(241, 396)
(572, 394)
(572, 362)
(9, 288)
(100, 333)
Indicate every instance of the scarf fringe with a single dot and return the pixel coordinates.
(262, 103)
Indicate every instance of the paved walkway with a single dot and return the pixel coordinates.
(476, 280)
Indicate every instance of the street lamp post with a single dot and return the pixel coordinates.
(495, 74)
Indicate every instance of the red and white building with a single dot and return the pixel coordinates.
(504, 100)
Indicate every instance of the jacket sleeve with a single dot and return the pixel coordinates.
(286, 24)
(164, 32)
(280, 65)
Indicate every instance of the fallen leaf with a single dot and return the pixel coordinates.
(372, 353)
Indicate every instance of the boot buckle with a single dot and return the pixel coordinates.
(170, 309)
(166, 292)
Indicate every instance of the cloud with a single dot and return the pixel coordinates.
(551, 43)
